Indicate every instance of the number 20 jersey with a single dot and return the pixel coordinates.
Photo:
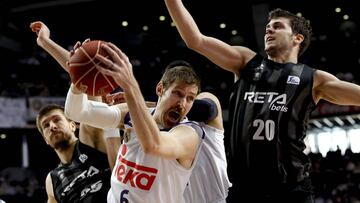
(269, 108)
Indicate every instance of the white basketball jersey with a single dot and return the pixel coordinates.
(140, 178)
(209, 182)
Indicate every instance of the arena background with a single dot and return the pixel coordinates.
(30, 78)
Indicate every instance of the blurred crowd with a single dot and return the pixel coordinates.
(336, 179)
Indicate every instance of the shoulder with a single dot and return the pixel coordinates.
(188, 128)
(216, 120)
(321, 77)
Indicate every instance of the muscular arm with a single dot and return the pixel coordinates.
(231, 58)
(60, 54)
(327, 87)
(49, 189)
(88, 135)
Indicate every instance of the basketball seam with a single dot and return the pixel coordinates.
(94, 64)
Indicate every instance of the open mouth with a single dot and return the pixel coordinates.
(269, 39)
(174, 116)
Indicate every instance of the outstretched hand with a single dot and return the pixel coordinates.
(77, 45)
(41, 30)
(117, 66)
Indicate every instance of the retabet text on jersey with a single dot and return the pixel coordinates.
(275, 100)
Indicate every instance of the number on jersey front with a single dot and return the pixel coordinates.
(123, 196)
(268, 126)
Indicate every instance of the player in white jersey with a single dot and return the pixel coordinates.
(153, 165)
(209, 182)
(150, 179)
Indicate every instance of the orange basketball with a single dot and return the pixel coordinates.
(83, 72)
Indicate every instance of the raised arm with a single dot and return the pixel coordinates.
(179, 143)
(94, 113)
(327, 87)
(60, 54)
(231, 58)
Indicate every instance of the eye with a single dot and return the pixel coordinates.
(178, 93)
(45, 125)
(190, 99)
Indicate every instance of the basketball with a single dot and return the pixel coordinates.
(83, 72)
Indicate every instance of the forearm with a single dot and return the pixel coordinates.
(96, 114)
(145, 126)
(60, 54)
(185, 23)
(113, 141)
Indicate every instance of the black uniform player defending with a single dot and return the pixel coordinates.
(266, 145)
(83, 174)
(270, 104)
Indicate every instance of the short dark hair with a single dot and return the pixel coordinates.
(180, 71)
(46, 110)
(298, 24)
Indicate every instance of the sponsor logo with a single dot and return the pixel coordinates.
(133, 174)
(85, 174)
(292, 79)
(91, 188)
(83, 158)
(275, 100)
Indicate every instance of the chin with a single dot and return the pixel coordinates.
(269, 51)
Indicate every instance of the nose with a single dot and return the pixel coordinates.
(182, 102)
(53, 126)
(269, 30)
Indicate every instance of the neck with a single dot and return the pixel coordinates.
(280, 57)
(283, 59)
(65, 154)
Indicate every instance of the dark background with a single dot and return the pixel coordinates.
(26, 70)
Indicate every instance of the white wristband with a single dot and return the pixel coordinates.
(114, 132)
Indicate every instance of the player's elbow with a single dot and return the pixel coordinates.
(74, 115)
(194, 42)
(150, 148)
(195, 46)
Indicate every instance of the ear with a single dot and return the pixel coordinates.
(159, 89)
(72, 126)
(299, 38)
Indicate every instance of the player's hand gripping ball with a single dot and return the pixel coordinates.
(84, 74)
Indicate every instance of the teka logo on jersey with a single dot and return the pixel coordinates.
(136, 175)
(276, 102)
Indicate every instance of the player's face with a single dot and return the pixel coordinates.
(57, 130)
(175, 102)
(279, 38)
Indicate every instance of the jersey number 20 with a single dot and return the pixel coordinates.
(268, 126)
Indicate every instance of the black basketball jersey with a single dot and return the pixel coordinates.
(86, 179)
(269, 108)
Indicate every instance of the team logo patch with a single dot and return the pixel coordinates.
(83, 158)
(292, 79)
